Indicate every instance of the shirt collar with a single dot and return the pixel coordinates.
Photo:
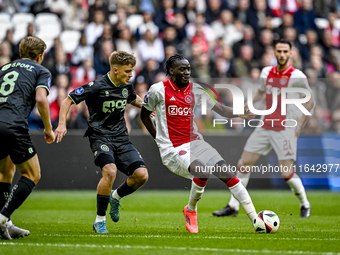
(175, 88)
(111, 80)
(285, 70)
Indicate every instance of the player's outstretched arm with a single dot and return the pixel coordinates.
(138, 102)
(61, 130)
(227, 112)
(145, 116)
(44, 110)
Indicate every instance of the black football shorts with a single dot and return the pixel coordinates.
(15, 142)
(123, 153)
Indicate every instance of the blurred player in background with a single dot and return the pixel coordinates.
(272, 134)
(106, 99)
(182, 148)
(23, 83)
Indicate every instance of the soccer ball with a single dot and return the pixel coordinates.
(266, 222)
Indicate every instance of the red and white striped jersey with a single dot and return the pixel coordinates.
(288, 78)
(175, 109)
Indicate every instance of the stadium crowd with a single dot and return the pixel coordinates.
(223, 39)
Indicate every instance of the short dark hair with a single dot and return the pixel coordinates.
(31, 46)
(171, 60)
(284, 41)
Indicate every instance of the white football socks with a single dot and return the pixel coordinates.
(297, 187)
(115, 195)
(100, 218)
(241, 194)
(244, 178)
(195, 195)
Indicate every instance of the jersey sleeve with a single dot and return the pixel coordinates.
(82, 93)
(132, 95)
(263, 79)
(301, 81)
(202, 94)
(151, 99)
(44, 80)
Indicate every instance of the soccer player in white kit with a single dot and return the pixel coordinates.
(273, 134)
(181, 147)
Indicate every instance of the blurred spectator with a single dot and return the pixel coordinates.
(295, 59)
(55, 105)
(214, 8)
(82, 52)
(148, 24)
(248, 39)
(57, 6)
(317, 65)
(85, 73)
(312, 39)
(190, 10)
(224, 28)
(203, 68)
(223, 64)
(240, 13)
(304, 17)
(256, 16)
(200, 39)
(180, 23)
(332, 17)
(79, 115)
(25, 5)
(75, 17)
(243, 64)
(287, 22)
(280, 7)
(290, 34)
(121, 22)
(170, 37)
(126, 42)
(148, 73)
(323, 7)
(266, 39)
(5, 50)
(98, 5)
(4, 60)
(165, 15)
(95, 29)
(62, 82)
(14, 50)
(101, 60)
(61, 65)
(151, 47)
(106, 36)
(318, 88)
(333, 91)
(206, 29)
(10, 6)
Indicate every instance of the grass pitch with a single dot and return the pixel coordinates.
(152, 222)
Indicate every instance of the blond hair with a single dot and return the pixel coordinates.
(31, 46)
(122, 58)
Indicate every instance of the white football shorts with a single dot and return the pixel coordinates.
(284, 143)
(178, 159)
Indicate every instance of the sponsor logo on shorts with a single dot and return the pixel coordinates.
(95, 153)
(79, 91)
(30, 150)
(104, 147)
(182, 152)
(125, 93)
(91, 84)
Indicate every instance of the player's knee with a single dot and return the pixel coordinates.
(143, 177)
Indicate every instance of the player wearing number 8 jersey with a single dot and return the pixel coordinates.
(23, 83)
(279, 131)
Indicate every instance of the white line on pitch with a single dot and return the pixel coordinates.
(163, 248)
(200, 237)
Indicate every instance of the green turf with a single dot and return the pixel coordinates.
(152, 223)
